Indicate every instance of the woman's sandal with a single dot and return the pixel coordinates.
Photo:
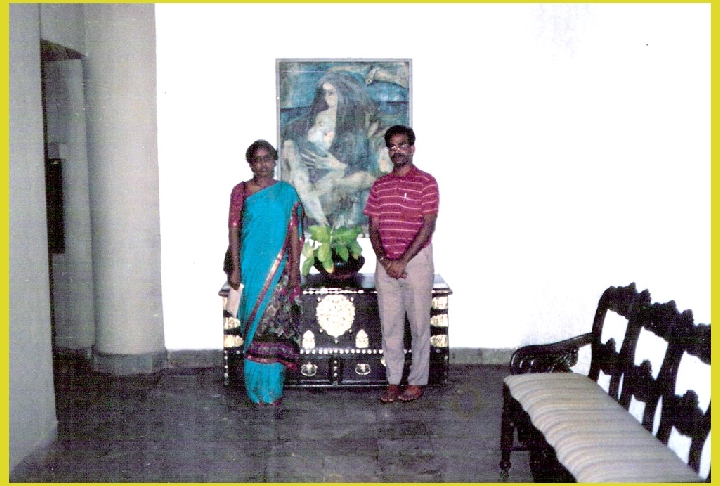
(276, 403)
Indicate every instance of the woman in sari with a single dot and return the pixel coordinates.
(266, 261)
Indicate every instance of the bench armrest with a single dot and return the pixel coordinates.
(555, 357)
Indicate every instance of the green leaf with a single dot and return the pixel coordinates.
(328, 264)
(307, 265)
(355, 249)
(319, 233)
(324, 252)
(342, 252)
(343, 235)
(308, 249)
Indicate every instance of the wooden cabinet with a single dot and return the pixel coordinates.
(341, 342)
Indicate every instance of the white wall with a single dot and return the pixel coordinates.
(571, 144)
(32, 422)
(63, 24)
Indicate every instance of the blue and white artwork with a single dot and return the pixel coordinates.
(332, 115)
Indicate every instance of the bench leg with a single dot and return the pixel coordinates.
(507, 434)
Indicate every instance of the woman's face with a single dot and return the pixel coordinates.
(262, 164)
(331, 97)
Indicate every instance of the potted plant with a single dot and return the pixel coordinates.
(335, 252)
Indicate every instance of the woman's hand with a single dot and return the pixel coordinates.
(296, 292)
(294, 279)
(294, 258)
(234, 278)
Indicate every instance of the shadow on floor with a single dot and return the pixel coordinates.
(183, 425)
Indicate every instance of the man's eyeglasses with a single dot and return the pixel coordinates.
(400, 146)
(264, 158)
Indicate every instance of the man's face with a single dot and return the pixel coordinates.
(400, 150)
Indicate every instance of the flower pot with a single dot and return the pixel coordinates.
(343, 269)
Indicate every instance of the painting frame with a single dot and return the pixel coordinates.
(331, 118)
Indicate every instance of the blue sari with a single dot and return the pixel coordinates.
(269, 308)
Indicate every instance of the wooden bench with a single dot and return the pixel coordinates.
(629, 419)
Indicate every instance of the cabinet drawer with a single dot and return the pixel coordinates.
(312, 370)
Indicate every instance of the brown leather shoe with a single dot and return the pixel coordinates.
(412, 392)
(390, 394)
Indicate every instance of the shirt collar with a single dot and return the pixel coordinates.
(412, 170)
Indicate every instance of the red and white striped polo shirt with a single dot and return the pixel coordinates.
(399, 203)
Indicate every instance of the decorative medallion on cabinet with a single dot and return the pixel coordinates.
(341, 341)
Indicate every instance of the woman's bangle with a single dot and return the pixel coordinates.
(382, 258)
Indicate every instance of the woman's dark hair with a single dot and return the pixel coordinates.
(354, 103)
(258, 144)
(356, 111)
(400, 130)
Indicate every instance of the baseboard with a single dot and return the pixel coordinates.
(36, 454)
(195, 358)
(129, 364)
(484, 356)
(208, 358)
(73, 353)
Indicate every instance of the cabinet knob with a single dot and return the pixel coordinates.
(308, 369)
(362, 369)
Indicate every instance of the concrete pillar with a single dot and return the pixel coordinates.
(72, 270)
(121, 91)
(33, 422)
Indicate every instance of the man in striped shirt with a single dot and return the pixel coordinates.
(402, 207)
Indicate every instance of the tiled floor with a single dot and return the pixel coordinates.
(183, 425)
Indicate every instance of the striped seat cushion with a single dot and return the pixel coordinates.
(594, 437)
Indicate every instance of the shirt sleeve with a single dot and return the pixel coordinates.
(236, 206)
(371, 207)
(431, 197)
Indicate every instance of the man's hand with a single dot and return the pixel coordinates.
(395, 268)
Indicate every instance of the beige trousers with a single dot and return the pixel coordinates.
(411, 297)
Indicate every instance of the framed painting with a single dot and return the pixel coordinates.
(332, 115)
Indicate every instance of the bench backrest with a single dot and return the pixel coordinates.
(643, 377)
(608, 355)
(682, 411)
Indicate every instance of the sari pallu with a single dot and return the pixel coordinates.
(269, 307)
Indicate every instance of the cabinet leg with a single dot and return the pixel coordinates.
(226, 368)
